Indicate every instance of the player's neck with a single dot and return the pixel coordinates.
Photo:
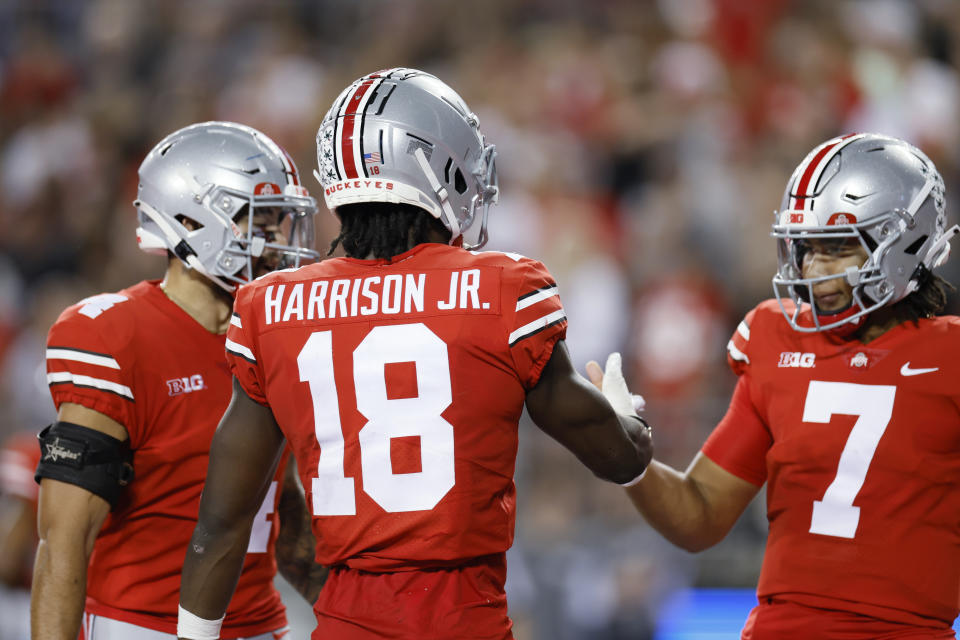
(199, 298)
(877, 324)
(432, 236)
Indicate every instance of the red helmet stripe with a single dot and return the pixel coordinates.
(291, 169)
(811, 174)
(350, 143)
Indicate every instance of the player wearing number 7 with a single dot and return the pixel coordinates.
(398, 375)
(140, 381)
(847, 406)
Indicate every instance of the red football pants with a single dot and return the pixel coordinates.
(779, 620)
(466, 603)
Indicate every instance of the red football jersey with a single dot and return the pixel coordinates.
(858, 444)
(398, 385)
(138, 358)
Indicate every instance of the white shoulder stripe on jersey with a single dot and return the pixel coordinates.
(240, 350)
(516, 257)
(736, 354)
(743, 330)
(235, 321)
(537, 296)
(531, 328)
(58, 377)
(60, 353)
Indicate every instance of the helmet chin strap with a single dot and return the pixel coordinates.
(847, 327)
(933, 260)
(440, 192)
(181, 247)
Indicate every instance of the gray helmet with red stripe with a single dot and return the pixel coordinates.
(882, 191)
(403, 136)
(197, 181)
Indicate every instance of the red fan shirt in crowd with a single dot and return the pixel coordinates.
(858, 444)
(399, 385)
(138, 358)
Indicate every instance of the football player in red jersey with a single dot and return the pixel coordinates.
(847, 406)
(398, 375)
(140, 382)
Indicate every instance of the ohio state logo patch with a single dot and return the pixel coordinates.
(266, 189)
(841, 218)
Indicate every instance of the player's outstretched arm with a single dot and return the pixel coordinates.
(694, 509)
(296, 545)
(243, 456)
(69, 517)
(569, 409)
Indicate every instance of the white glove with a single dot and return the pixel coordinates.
(614, 388)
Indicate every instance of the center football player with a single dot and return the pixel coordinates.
(398, 375)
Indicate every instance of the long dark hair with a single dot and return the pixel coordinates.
(928, 300)
(383, 229)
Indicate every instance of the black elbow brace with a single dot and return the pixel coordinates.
(85, 457)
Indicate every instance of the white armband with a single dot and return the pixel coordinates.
(197, 628)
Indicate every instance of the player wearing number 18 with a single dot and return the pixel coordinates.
(398, 375)
(847, 406)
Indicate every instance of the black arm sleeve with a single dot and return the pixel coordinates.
(87, 458)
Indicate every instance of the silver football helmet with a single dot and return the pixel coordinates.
(402, 135)
(208, 174)
(882, 191)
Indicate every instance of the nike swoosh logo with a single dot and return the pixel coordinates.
(905, 370)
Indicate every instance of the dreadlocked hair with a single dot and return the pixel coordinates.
(383, 229)
(929, 299)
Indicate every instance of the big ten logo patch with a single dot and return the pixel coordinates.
(189, 384)
(796, 359)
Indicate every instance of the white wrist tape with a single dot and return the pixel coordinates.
(197, 628)
(615, 387)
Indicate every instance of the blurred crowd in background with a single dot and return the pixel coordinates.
(643, 146)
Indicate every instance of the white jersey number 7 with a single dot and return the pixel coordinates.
(835, 515)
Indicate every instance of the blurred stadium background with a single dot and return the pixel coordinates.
(643, 147)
